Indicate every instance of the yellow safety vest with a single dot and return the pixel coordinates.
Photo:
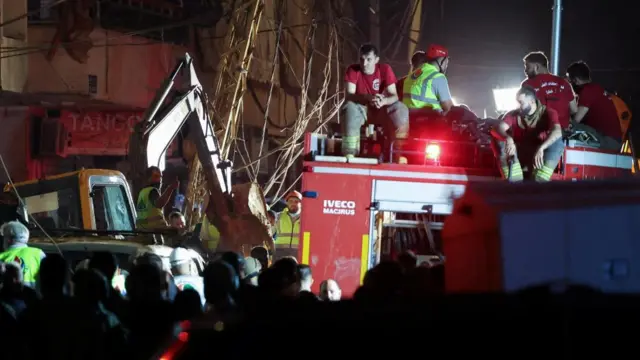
(288, 231)
(149, 216)
(29, 260)
(210, 235)
(417, 92)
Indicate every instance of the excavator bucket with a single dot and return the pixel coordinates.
(247, 225)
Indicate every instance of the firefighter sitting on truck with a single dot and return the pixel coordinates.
(532, 134)
(370, 90)
(289, 226)
(552, 91)
(596, 113)
(417, 59)
(427, 86)
(150, 202)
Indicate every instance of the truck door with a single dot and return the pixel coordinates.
(335, 228)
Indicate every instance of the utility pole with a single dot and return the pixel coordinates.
(374, 22)
(556, 30)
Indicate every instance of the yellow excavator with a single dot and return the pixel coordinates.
(96, 203)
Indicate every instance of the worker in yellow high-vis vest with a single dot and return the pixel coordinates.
(150, 202)
(209, 235)
(16, 236)
(427, 88)
(288, 226)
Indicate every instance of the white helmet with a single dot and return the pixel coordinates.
(179, 256)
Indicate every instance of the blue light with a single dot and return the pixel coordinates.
(310, 194)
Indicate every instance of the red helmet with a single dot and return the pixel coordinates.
(436, 51)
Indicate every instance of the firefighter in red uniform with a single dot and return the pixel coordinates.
(596, 113)
(552, 91)
(531, 134)
(371, 97)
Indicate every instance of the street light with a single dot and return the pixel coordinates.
(505, 99)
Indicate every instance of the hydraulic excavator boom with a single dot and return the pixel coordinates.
(239, 212)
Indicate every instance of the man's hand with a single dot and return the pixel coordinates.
(510, 147)
(538, 159)
(378, 101)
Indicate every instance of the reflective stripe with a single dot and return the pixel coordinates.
(516, 172)
(423, 91)
(417, 90)
(543, 174)
(596, 158)
(421, 98)
(400, 174)
(288, 230)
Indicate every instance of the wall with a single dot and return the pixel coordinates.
(14, 148)
(128, 69)
(13, 38)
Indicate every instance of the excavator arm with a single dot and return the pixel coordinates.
(239, 212)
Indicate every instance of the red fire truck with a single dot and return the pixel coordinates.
(359, 211)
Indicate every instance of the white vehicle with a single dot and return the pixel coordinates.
(76, 251)
(507, 237)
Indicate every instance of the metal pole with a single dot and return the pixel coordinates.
(555, 36)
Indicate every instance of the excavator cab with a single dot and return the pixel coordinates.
(88, 199)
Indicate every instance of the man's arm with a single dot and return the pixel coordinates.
(391, 95)
(160, 201)
(580, 113)
(555, 134)
(582, 105)
(502, 130)
(567, 90)
(350, 94)
(573, 108)
(440, 86)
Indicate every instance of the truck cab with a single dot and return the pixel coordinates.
(87, 199)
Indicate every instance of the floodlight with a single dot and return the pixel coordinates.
(505, 99)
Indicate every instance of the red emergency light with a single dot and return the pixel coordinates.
(432, 151)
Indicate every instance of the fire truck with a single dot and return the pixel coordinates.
(363, 210)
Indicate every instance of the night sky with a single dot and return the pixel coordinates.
(488, 39)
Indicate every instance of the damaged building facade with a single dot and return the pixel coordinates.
(77, 76)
